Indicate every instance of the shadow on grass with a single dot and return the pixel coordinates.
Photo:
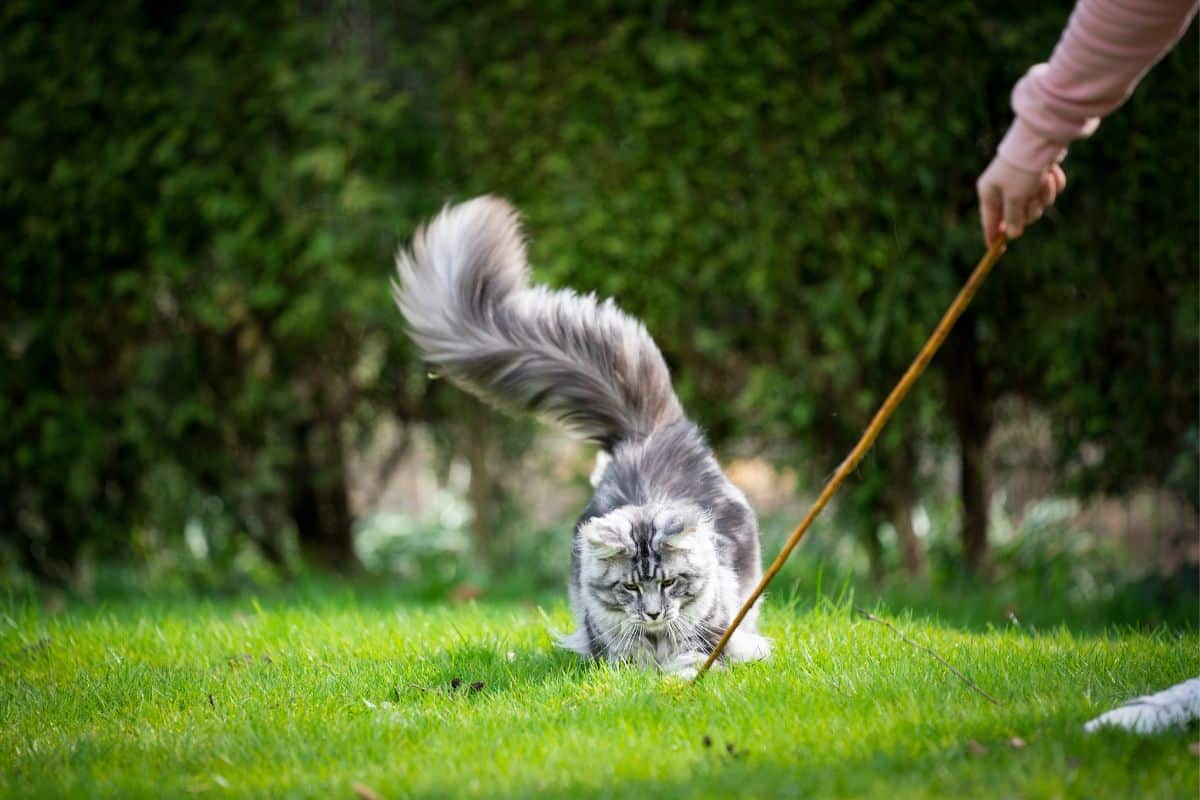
(367, 592)
(1149, 767)
(485, 669)
(1149, 603)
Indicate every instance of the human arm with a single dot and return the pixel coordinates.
(1105, 50)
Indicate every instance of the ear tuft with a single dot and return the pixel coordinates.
(603, 540)
(685, 539)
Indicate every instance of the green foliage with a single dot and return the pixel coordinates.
(200, 208)
(309, 693)
(786, 196)
(1106, 309)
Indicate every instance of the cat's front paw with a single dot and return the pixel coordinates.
(685, 674)
(746, 646)
(686, 666)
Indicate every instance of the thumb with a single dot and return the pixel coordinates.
(990, 205)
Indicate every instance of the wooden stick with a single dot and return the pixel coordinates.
(869, 436)
(929, 650)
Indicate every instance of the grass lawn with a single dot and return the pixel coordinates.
(310, 692)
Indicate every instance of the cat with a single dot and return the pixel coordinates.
(667, 550)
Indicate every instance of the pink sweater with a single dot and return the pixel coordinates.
(1106, 48)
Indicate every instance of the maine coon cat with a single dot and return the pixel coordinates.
(667, 550)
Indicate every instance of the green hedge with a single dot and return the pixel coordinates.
(200, 208)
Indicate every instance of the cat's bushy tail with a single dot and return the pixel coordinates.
(464, 291)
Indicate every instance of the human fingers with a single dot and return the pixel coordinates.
(1014, 215)
(1060, 179)
(1034, 209)
(1048, 190)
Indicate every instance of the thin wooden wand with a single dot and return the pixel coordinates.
(869, 436)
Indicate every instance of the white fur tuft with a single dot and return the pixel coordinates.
(1170, 708)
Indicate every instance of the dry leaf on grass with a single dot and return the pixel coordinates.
(465, 592)
(366, 792)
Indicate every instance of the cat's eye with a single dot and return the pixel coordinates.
(632, 587)
(667, 582)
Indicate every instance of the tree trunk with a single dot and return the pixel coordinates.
(267, 536)
(971, 407)
(902, 498)
(868, 532)
(54, 560)
(318, 501)
(484, 491)
(53, 555)
(974, 500)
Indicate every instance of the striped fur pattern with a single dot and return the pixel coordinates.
(667, 549)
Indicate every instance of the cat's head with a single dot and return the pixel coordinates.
(648, 563)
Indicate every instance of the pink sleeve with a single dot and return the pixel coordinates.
(1107, 47)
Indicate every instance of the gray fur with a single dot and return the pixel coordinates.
(464, 290)
(667, 549)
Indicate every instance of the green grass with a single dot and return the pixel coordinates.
(307, 692)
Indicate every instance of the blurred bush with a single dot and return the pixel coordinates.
(434, 549)
(201, 207)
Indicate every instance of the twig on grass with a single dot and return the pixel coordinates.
(920, 646)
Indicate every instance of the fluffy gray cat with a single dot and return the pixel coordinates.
(667, 550)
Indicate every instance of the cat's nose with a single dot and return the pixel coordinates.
(653, 614)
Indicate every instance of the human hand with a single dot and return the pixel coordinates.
(1011, 198)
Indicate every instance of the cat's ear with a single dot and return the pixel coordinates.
(685, 537)
(682, 529)
(606, 538)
